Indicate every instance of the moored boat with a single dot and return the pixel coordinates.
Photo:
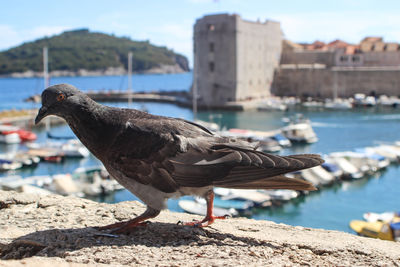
(8, 132)
(384, 217)
(71, 148)
(300, 133)
(194, 207)
(258, 198)
(378, 229)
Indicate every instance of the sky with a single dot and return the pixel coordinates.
(170, 22)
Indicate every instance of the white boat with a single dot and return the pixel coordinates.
(272, 104)
(349, 170)
(201, 209)
(308, 176)
(14, 182)
(372, 154)
(312, 104)
(361, 161)
(212, 126)
(383, 217)
(300, 133)
(318, 176)
(386, 101)
(338, 104)
(363, 100)
(95, 181)
(9, 138)
(282, 141)
(333, 169)
(70, 148)
(388, 152)
(281, 194)
(258, 198)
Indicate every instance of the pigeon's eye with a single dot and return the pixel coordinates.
(60, 97)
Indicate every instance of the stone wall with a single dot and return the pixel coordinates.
(321, 82)
(60, 231)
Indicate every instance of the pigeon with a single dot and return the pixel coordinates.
(157, 157)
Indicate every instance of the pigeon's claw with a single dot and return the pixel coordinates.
(208, 220)
(127, 226)
(111, 226)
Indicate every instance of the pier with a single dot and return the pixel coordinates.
(176, 97)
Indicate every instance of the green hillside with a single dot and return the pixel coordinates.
(81, 49)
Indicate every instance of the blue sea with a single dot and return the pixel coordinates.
(329, 208)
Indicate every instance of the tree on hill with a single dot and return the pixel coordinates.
(82, 49)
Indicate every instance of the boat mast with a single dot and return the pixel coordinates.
(129, 79)
(46, 81)
(335, 85)
(194, 87)
(45, 68)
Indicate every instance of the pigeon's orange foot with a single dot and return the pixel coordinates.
(122, 227)
(128, 226)
(205, 222)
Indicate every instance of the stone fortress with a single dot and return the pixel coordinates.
(234, 59)
(237, 60)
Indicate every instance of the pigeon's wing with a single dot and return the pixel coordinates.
(169, 154)
(233, 166)
(141, 151)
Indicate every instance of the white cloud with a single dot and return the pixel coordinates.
(173, 35)
(348, 26)
(11, 37)
(42, 31)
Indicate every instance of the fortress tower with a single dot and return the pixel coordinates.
(234, 59)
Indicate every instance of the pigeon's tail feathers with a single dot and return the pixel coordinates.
(238, 167)
(276, 182)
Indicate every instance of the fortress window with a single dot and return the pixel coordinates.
(343, 58)
(210, 27)
(356, 59)
(211, 47)
(211, 66)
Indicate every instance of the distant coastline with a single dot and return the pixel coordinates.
(111, 71)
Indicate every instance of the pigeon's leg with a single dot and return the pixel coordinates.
(126, 227)
(210, 218)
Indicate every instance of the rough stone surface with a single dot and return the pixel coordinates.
(58, 231)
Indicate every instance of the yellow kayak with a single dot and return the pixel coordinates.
(378, 229)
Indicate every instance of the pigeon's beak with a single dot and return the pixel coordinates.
(41, 114)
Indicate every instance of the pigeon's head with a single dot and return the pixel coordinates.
(59, 100)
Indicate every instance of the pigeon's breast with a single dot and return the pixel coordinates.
(150, 195)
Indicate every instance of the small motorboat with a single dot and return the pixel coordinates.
(258, 198)
(383, 217)
(9, 137)
(281, 195)
(282, 140)
(95, 181)
(8, 132)
(70, 149)
(241, 206)
(338, 103)
(318, 176)
(300, 131)
(348, 169)
(18, 160)
(333, 169)
(9, 165)
(194, 207)
(378, 229)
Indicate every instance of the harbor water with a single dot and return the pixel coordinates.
(329, 208)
